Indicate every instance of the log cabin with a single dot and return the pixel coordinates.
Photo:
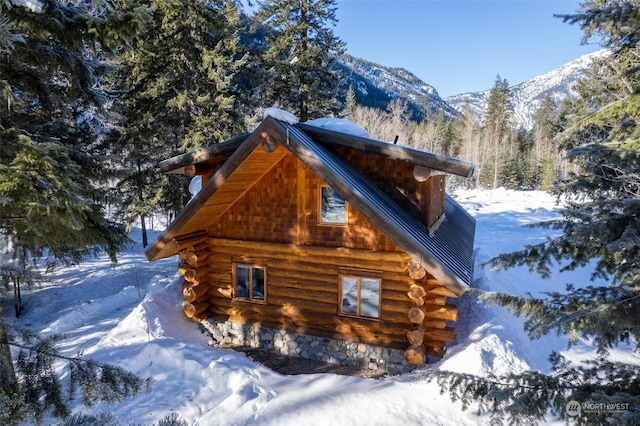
(323, 245)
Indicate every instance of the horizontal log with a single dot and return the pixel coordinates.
(284, 276)
(416, 337)
(188, 273)
(222, 277)
(201, 242)
(188, 257)
(314, 286)
(397, 282)
(219, 261)
(302, 294)
(416, 270)
(328, 255)
(195, 293)
(435, 348)
(191, 309)
(417, 302)
(415, 354)
(422, 174)
(215, 285)
(447, 334)
(447, 312)
(322, 307)
(202, 255)
(434, 323)
(435, 300)
(198, 169)
(400, 306)
(269, 144)
(416, 315)
(189, 295)
(435, 287)
(241, 308)
(395, 295)
(418, 273)
(416, 292)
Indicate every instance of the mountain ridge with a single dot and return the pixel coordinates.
(527, 96)
(376, 85)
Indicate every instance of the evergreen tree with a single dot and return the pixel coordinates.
(497, 126)
(52, 173)
(516, 172)
(51, 176)
(447, 135)
(300, 53)
(351, 103)
(600, 228)
(40, 390)
(183, 85)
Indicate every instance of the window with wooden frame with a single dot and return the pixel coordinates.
(249, 282)
(360, 294)
(332, 207)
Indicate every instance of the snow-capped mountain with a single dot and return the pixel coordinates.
(376, 85)
(528, 95)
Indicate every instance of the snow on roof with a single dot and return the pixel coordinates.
(339, 125)
(280, 114)
(336, 124)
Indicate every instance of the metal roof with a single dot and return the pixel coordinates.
(447, 252)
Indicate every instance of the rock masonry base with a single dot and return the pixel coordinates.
(228, 334)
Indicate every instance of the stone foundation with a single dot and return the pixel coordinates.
(359, 355)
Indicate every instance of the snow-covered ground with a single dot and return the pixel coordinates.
(130, 314)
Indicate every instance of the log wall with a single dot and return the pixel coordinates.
(275, 224)
(302, 292)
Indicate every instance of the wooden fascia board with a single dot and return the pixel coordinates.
(375, 215)
(202, 154)
(165, 245)
(443, 163)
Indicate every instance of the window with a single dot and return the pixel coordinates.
(333, 208)
(249, 282)
(360, 295)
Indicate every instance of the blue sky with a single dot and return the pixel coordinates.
(461, 46)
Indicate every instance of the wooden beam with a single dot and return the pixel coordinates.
(202, 154)
(269, 144)
(422, 174)
(198, 169)
(452, 165)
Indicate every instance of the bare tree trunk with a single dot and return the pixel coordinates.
(8, 380)
(143, 228)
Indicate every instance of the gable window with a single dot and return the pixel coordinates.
(360, 295)
(333, 208)
(249, 282)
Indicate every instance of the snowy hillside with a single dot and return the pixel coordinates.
(130, 314)
(528, 95)
(375, 85)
